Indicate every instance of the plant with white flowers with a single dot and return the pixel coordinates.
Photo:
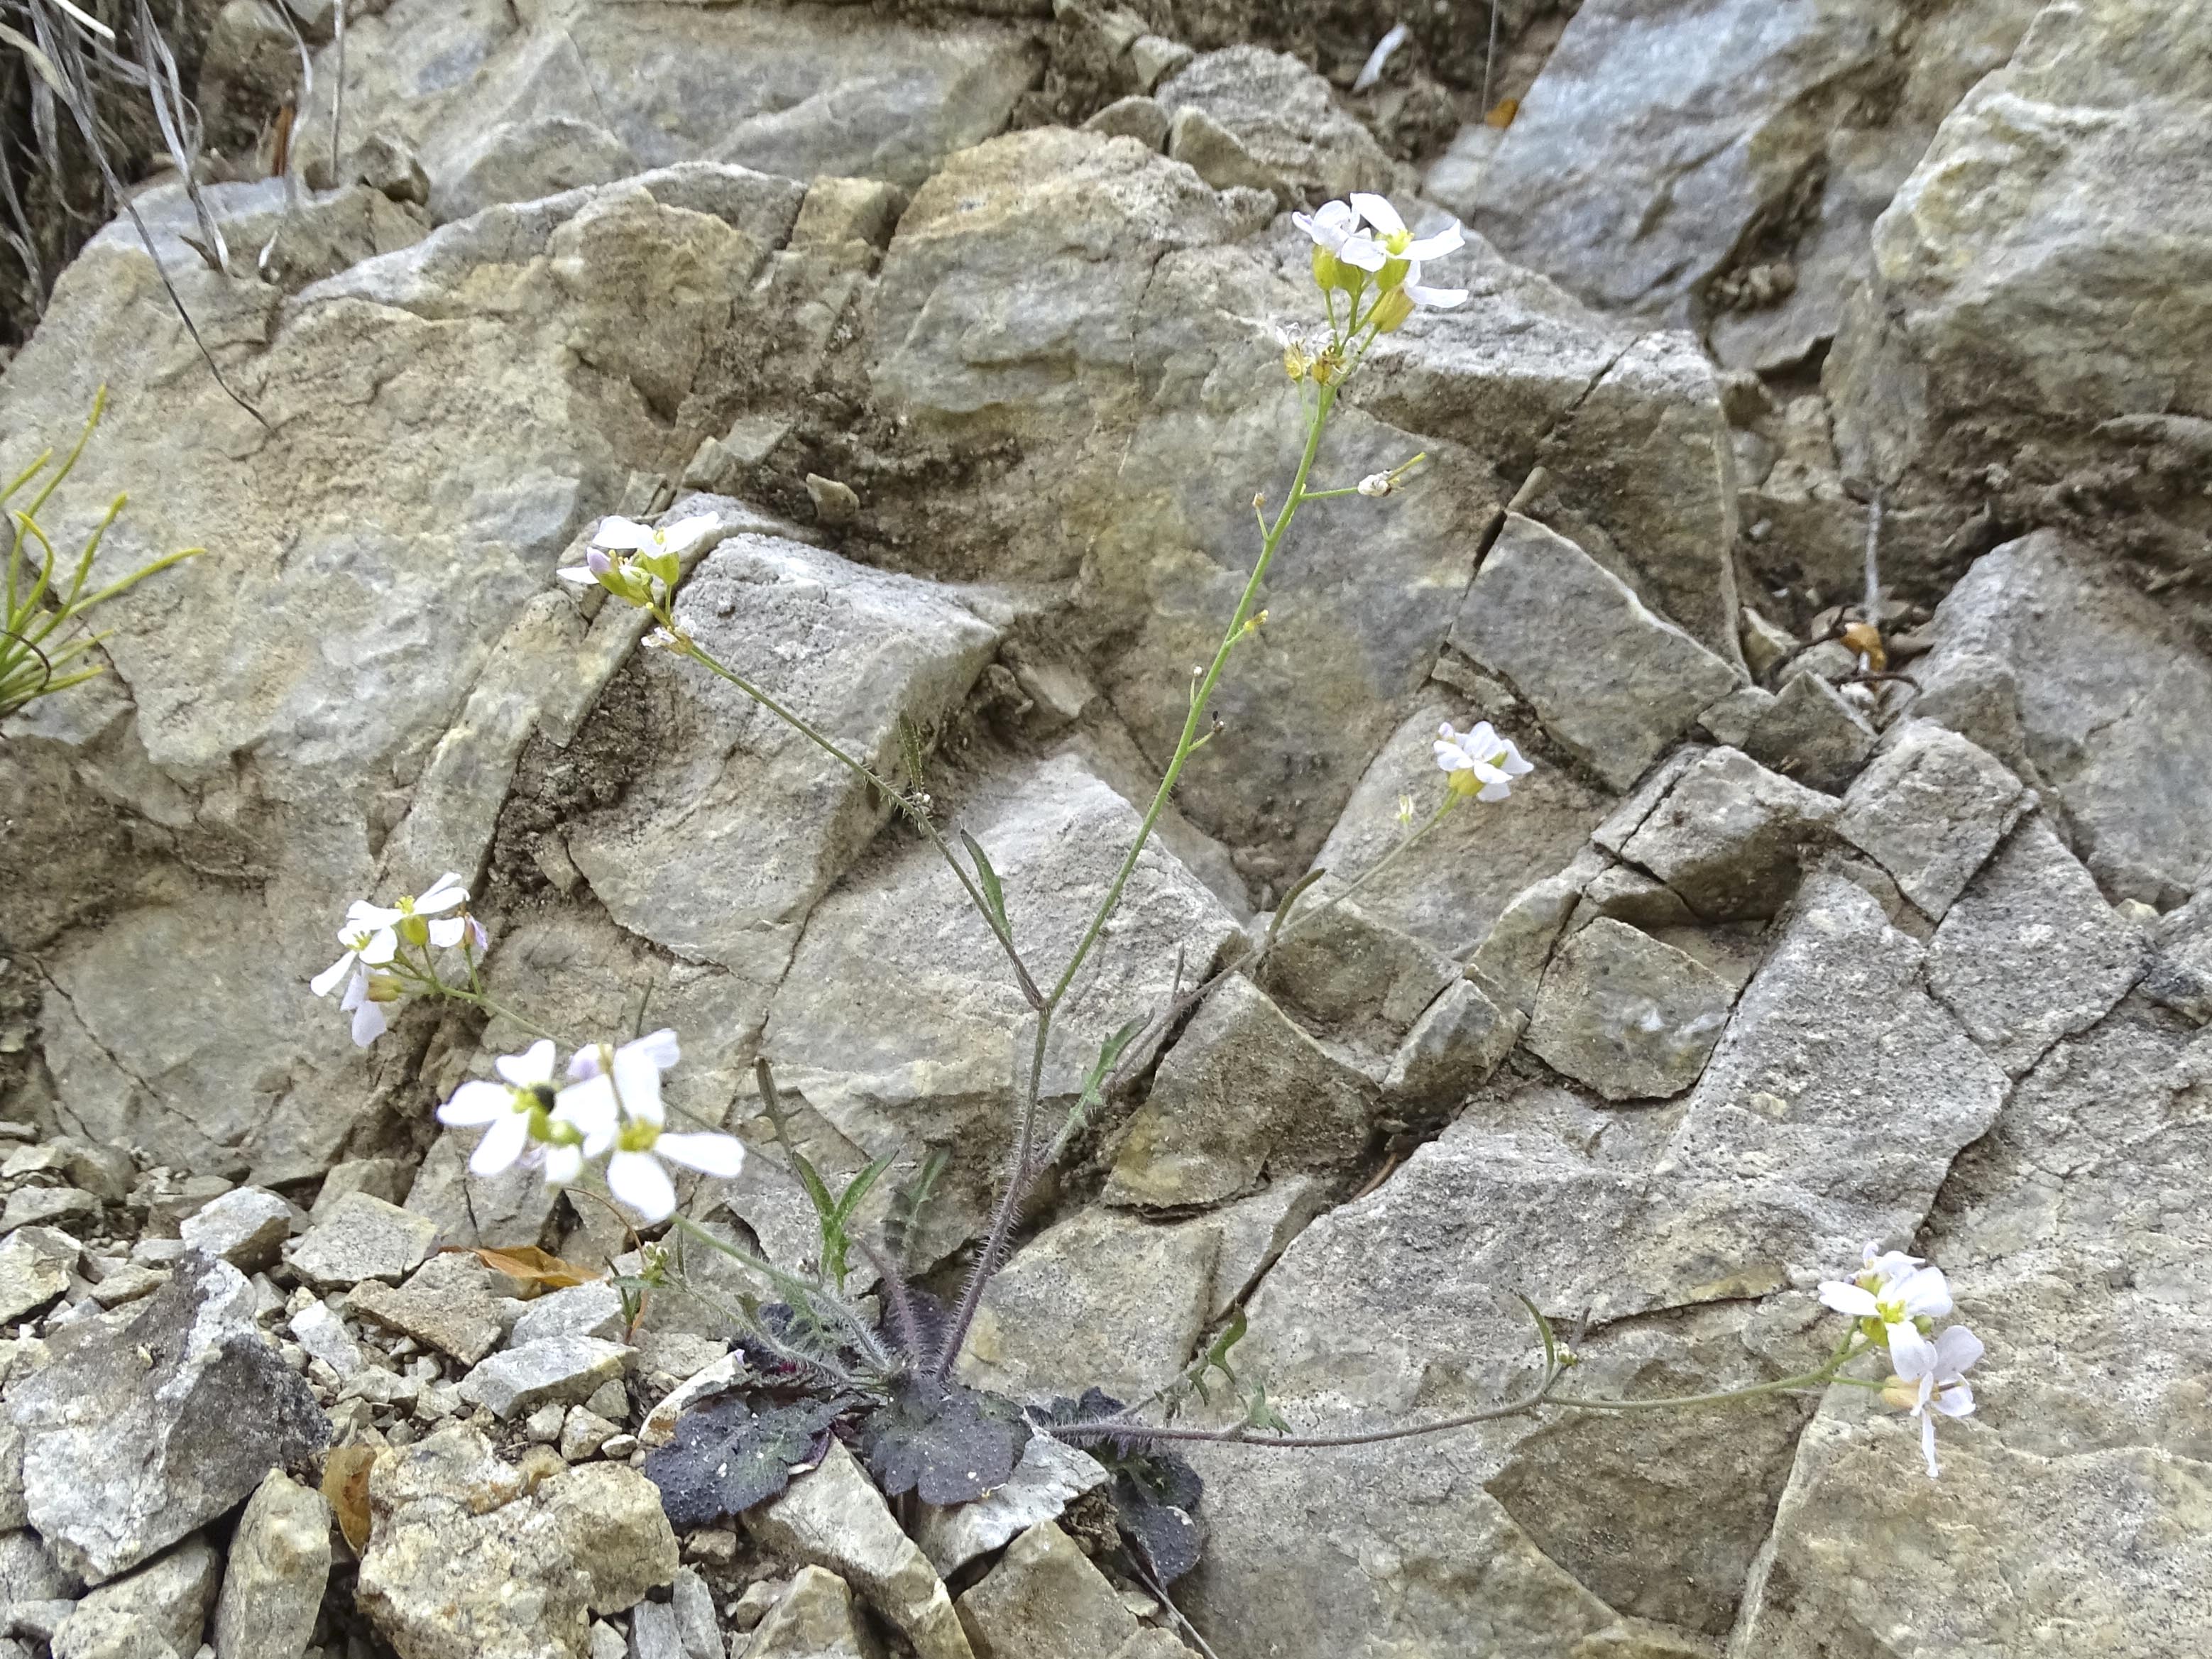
(885, 1372)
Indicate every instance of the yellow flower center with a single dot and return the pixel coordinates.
(637, 1136)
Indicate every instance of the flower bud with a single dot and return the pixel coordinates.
(383, 988)
(1391, 310)
(1329, 271)
(1377, 484)
(1393, 275)
(415, 930)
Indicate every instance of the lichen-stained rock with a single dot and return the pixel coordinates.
(1613, 682)
(1271, 123)
(471, 1559)
(2093, 693)
(1243, 1092)
(1930, 809)
(1099, 1301)
(135, 1433)
(2073, 1250)
(2031, 952)
(718, 848)
(1798, 1144)
(1730, 837)
(1451, 888)
(1629, 1015)
(441, 419)
(899, 1021)
(1661, 130)
(162, 1605)
(2034, 304)
(797, 92)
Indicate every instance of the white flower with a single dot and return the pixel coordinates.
(616, 1103)
(1334, 228)
(1931, 1377)
(1389, 232)
(445, 893)
(1894, 1290)
(1436, 298)
(596, 564)
(1479, 762)
(629, 536)
(506, 1110)
(368, 1021)
(1887, 1264)
(372, 945)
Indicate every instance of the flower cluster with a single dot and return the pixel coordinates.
(1479, 762)
(637, 564)
(1896, 1300)
(1364, 240)
(376, 968)
(610, 1108)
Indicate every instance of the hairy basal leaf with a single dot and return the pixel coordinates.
(948, 1443)
(729, 1456)
(1156, 1499)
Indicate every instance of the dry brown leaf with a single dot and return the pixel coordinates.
(536, 1266)
(1865, 639)
(1501, 116)
(345, 1485)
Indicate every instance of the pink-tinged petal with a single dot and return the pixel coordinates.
(562, 1165)
(533, 1066)
(1846, 1297)
(625, 533)
(381, 946)
(1911, 1356)
(661, 1046)
(368, 1023)
(587, 1061)
(444, 893)
(1928, 1444)
(482, 938)
(1957, 1348)
(502, 1144)
(1377, 212)
(709, 1154)
(638, 1180)
(1447, 241)
(1446, 733)
(478, 1103)
(446, 931)
(327, 981)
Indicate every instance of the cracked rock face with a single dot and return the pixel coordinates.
(1770, 957)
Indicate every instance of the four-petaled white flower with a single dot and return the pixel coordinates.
(1368, 233)
(624, 537)
(1479, 762)
(445, 894)
(1894, 1290)
(509, 1111)
(364, 943)
(615, 1105)
(1931, 1377)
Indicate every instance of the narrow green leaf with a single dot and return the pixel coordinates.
(857, 1189)
(825, 1207)
(993, 894)
(909, 740)
(1108, 1052)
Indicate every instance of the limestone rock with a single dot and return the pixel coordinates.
(136, 1434)
(1050, 1476)
(1100, 1300)
(2180, 970)
(273, 1581)
(1730, 837)
(2031, 952)
(1459, 1040)
(589, 1309)
(48, 1207)
(362, 1238)
(815, 1619)
(469, 1559)
(566, 1369)
(1045, 1600)
(1712, 111)
(1354, 975)
(246, 1227)
(1811, 734)
(35, 1264)
(852, 650)
(1930, 809)
(1631, 1017)
(1508, 965)
(160, 1608)
(1256, 1230)
(324, 1336)
(447, 1303)
(1271, 123)
(833, 1517)
(1242, 1092)
(2085, 688)
(1613, 682)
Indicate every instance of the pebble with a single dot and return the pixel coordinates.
(567, 1368)
(359, 1238)
(246, 1227)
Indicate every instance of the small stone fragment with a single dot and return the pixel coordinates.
(1811, 734)
(106, 1172)
(1630, 1017)
(1731, 837)
(1454, 1046)
(361, 1237)
(544, 1424)
(695, 1623)
(814, 1619)
(246, 1227)
(1930, 809)
(128, 1284)
(30, 1206)
(1049, 1477)
(1730, 720)
(135, 1617)
(834, 503)
(1045, 1600)
(590, 1309)
(447, 1303)
(35, 1264)
(279, 1565)
(749, 1609)
(1137, 117)
(563, 1369)
(833, 1517)
(652, 1634)
(386, 1178)
(583, 1431)
(324, 1336)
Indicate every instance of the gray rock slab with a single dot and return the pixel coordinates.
(566, 1370)
(589, 1309)
(35, 1264)
(64, 1208)
(1731, 837)
(816, 1618)
(1045, 1600)
(1050, 1476)
(1460, 1039)
(1631, 1017)
(1612, 681)
(1811, 734)
(450, 1303)
(1271, 123)
(362, 1238)
(137, 1432)
(274, 1577)
(164, 1605)
(246, 1227)
(1929, 808)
